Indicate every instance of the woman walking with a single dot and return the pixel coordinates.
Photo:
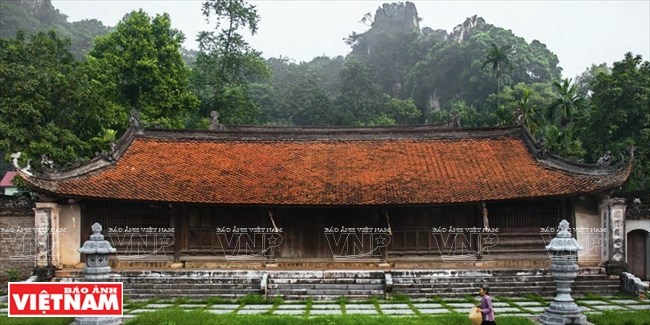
(485, 307)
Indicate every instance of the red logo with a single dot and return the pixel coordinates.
(65, 299)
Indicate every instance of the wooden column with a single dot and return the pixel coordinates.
(177, 220)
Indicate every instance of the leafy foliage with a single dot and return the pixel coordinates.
(226, 64)
(619, 116)
(498, 58)
(48, 102)
(141, 62)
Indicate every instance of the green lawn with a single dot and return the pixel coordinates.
(35, 320)
(621, 318)
(177, 317)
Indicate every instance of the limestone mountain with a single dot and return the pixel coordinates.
(31, 16)
(435, 67)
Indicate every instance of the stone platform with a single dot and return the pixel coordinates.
(352, 284)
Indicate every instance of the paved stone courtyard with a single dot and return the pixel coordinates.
(513, 307)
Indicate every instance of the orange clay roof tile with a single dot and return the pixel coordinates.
(327, 171)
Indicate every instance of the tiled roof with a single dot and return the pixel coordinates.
(7, 178)
(331, 167)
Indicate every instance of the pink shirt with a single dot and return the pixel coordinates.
(486, 308)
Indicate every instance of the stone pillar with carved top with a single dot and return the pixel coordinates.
(97, 269)
(564, 267)
(97, 250)
(615, 263)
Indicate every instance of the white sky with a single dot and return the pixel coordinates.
(579, 32)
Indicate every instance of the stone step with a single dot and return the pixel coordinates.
(326, 281)
(410, 272)
(327, 274)
(353, 284)
(327, 286)
(427, 281)
(328, 292)
(185, 292)
(187, 286)
(324, 297)
(198, 296)
(188, 280)
(500, 287)
(181, 280)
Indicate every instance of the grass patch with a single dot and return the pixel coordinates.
(217, 301)
(441, 301)
(134, 304)
(538, 298)
(177, 316)
(400, 298)
(254, 299)
(593, 296)
(35, 320)
(621, 318)
(342, 300)
(308, 305)
(471, 299)
(276, 302)
(181, 300)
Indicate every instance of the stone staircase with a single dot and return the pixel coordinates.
(352, 284)
(446, 284)
(326, 285)
(195, 284)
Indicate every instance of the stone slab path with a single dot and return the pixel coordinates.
(511, 307)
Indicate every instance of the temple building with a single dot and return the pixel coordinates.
(287, 197)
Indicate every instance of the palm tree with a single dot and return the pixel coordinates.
(528, 112)
(566, 104)
(498, 58)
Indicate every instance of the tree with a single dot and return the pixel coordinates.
(527, 100)
(584, 81)
(141, 59)
(619, 116)
(226, 63)
(529, 114)
(48, 104)
(566, 103)
(498, 57)
(360, 97)
(361, 101)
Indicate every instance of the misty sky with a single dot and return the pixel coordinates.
(579, 32)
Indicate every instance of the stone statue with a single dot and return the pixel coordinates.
(214, 122)
(134, 119)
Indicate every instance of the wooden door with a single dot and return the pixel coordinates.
(637, 253)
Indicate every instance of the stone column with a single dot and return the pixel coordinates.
(647, 256)
(46, 224)
(603, 209)
(615, 264)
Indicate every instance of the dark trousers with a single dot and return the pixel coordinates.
(488, 322)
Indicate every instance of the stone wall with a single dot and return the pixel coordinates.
(17, 247)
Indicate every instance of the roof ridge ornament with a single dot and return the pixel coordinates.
(215, 125)
(107, 155)
(48, 165)
(606, 159)
(27, 169)
(518, 114)
(454, 122)
(134, 119)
